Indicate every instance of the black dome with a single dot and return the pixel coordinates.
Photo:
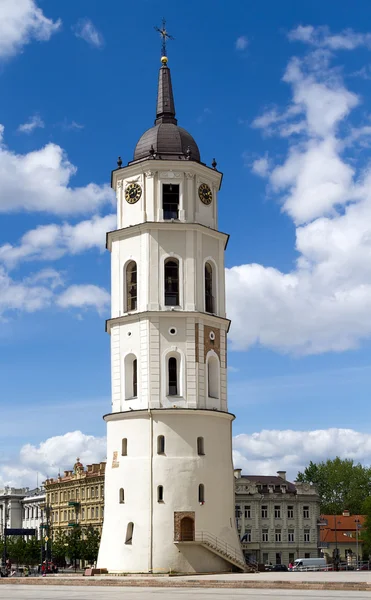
(167, 141)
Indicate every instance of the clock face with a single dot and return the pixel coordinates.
(205, 194)
(133, 193)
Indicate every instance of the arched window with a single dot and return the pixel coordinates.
(160, 493)
(171, 282)
(200, 446)
(209, 289)
(161, 444)
(173, 376)
(131, 376)
(201, 493)
(170, 200)
(122, 496)
(129, 533)
(213, 376)
(131, 286)
(124, 447)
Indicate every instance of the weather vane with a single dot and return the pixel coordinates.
(165, 36)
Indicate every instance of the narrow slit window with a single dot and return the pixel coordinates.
(129, 534)
(161, 444)
(213, 377)
(173, 376)
(124, 447)
(122, 496)
(160, 493)
(170, 201)
(131, 286)
(201, 493)
(135, 378)
(209, 298)
(172, 283)
(200, 446)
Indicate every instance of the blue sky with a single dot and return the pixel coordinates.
(279, 95)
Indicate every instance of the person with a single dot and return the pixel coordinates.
(290, 566)
(43, 569)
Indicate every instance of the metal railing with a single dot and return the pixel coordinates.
(220, 546)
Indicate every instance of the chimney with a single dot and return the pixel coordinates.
(237, 473)
(282, 474)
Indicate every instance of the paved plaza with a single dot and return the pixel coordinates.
(23, 592)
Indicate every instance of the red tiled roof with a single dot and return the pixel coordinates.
(344, 525)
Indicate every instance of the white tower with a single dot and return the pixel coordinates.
(169, 490)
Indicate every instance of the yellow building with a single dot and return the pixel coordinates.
(76, 498)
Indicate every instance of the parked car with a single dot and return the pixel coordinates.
(276, 568)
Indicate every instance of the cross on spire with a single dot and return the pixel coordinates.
(165, 36)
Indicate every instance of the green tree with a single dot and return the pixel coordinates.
(90, 544)
(32, 554)
(59, 548)
(74, 546)
(341, 484)
(16, 549)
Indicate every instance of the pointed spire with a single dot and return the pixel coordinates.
(165, 112)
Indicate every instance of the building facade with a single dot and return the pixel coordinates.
(169, 432)
(341, 537)
(76, 498)
(277, 521)
(21, 508)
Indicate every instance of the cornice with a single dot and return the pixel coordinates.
(132, 317)
(148, 226)
(148, 412)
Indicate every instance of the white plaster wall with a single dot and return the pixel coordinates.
(180, 471)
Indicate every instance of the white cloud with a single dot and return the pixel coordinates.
(50, 242)
(268, 451)
(55, 454)
(28, 295)
(321, 37)
(260, 167)
(86, 30)
(85, 296)
(40, 181)
(242, 42)
(33, 123)
(21, 21)
(324, 303)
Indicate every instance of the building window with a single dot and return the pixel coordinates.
(213, 376)
(200, 446)
(96, 491)
(83, 514)
(247, 512)
(65, 515)
(161, 444)
(131, 376)
(172, 282)
(265, 558)
(160, 493)
(247, 535)
(264, 511)
(290, 512)
(201, 493)
(306, 512)
(129, 534)
(65, 496)
(170, 201)
(307, 555)
(102, 491)
(92, 493)
(237, 511)
(124, 447)
(97, 512)
(265, 537)
(131, 286)
(52, 497)
(121, 496)
(209, 298)
(278, 535)
(83, 494)
(69, 495)
(306, 535)
(173, 376)
(277, 512)
(291, 535)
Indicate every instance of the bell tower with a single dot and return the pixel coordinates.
(169, 490)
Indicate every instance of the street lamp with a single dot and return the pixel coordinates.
(357, 522)
(336, 561)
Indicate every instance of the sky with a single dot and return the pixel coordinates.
(278, 93)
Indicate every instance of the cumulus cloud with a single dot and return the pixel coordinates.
(87, 31)
(260, 167)
(85, 296)
(268, 451)
(40, 181)
(323, 303)
(20, 23)
(321, 37)
(55, 454)
(33, 123)
(242, 42)
(50, 242)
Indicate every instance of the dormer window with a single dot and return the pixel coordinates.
(170, 201)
